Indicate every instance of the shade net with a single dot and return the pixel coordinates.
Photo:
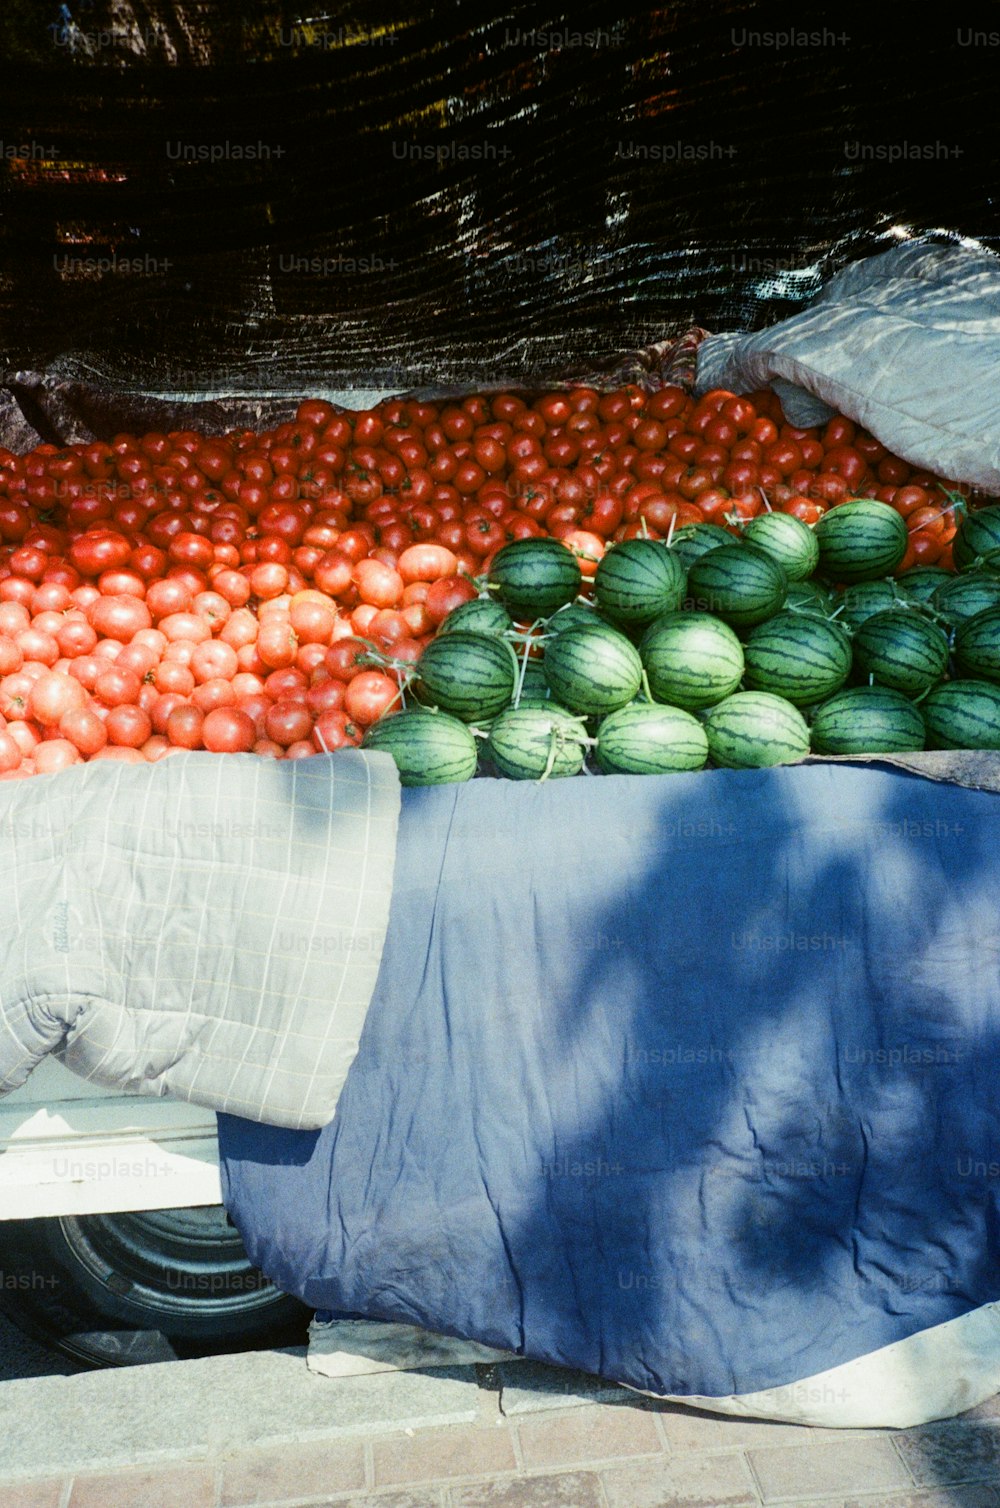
(269, 200)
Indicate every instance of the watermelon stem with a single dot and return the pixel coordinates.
(959, 504)
(398, 697)
(527, 637)
(550, 762)
(646, 686)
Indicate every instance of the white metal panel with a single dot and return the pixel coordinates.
(70, 1148)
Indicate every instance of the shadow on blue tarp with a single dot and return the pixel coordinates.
(686, 1081)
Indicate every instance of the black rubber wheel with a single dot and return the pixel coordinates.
(153, 1285)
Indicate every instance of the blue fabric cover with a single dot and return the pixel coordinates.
(688, 1081)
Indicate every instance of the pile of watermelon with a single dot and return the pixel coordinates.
(738, 651)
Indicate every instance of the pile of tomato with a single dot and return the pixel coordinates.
(266, 592)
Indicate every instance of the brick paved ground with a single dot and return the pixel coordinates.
(543, 1446)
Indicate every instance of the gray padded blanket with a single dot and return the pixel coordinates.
(207, 927)
(906, 343)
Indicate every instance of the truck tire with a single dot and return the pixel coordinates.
(150, 1285)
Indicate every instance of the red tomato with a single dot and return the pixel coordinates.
(36, 645)
(346, 657)
(268, 580)
(277, 643)
(288, 683)
(14, 617)
(377, 583)
(186, 627)
(128, 727)
(312, 618)
(926, 548)
(907, 500)
(12, 657)
(846, 462)
(425, 562)
(369, 696)
(325, 696)
(119, 617)
(52, 696)
(588, 549)
(99, 550)
(84, 729)
(51, 597)
(183, 726)
(10, 753)
(808, 510)
(336, 730)
(115, 687)
(213, 607)
(233, 587)
(55, 754)
(286, 722)
(227, 730)
(446, 594)
(212, 659)
(931, 520)
(168, 596)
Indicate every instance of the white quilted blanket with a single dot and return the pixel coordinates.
(209, 927)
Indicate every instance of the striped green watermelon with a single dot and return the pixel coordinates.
(541, 699)
(902, 649)
(798, 656)
(470, 675)
(637, 580)
(533, 682)
(535, 743)
(593, 669)
(966, 596)
(920, 583)
(809, 597)
(963, 715)
(647, 739)
(574, 615)
(741, 586)
(978, 537)
(753, 730)
(977, 646)
(861, 602)
(430, 748)
(787, 540)
(692, 659)
(534, 577)
(482, 616)
(860, 540)
(867, 720)
(694, 540)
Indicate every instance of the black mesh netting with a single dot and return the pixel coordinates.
(268, 199)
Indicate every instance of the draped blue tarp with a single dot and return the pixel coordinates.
(688, 1081)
